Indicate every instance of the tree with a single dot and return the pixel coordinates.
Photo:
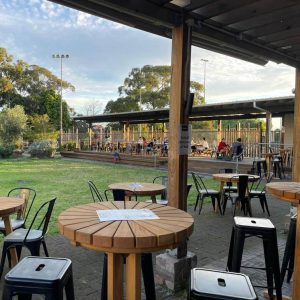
(31, 86)
(148, 87)
(12, 126)
(93, 108)
(40, 128)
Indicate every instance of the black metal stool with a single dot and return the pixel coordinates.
(40, 275)
(148, 277)
(263, 228)
(278, 167)
(212, 285)
(259, 165)
(289, 252)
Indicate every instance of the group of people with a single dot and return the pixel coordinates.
(235, 150)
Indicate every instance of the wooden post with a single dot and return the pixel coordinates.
(180, 86)
(296, 177)
(77, 138)
(282, 132)
(219, 131)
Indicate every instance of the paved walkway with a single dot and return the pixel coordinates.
(210, 241)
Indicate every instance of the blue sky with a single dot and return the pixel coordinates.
(102, 53)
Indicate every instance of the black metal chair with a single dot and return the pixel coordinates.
(259, 191)
(26, 194)
(229, 188)
(95, 192)
(204, 192)
(166, 201)
(241, 197)
(164, 181)
(120, 194)
(30, 238)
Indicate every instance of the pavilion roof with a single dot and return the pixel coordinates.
(255, 31)
(218, 111)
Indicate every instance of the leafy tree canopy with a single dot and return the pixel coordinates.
(148, 88)
(12, 125)
(33, 87)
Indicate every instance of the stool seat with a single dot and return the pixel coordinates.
(210, 284)
(257, 223)
(40, 275)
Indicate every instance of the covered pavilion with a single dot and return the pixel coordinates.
(255, 31)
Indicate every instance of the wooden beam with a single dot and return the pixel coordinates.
(180, 86)
(296, 138)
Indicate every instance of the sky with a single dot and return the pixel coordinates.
(102, 53)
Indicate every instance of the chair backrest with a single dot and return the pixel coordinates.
(120, 194)
(164, 181)
(199, 183)
(188, 188)
(43, 225)
(28, 195)
(95, 192)
(227, 171)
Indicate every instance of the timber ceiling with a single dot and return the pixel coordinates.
(252, 30)
(225, 111)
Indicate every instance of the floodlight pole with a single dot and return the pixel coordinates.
(204, 76)
(61, 56)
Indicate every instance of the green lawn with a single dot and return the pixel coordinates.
(67, 180)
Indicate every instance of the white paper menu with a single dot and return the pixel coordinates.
(126, 214)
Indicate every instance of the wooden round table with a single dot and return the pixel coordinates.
(82, 227)
(290, 192)
(232, 177)
(8, 206)
(140, 188)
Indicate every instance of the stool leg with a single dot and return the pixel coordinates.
(287, 253)
(269, 271)
(148, 276)
(69, 289)
(276, 268)
(238, 246)
(197, 200)
(4, 252)
(229, 260)
(7, 293)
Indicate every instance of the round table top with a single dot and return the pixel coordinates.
(82, 226)
(139, 188)
(287, 191)
(10, 205)
(233, 177)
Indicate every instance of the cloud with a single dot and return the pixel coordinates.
(102, 53)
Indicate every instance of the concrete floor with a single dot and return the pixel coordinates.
(210, 241)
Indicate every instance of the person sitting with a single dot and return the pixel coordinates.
(237, 149)
(205, 144)
(223, 148)
(149, 148)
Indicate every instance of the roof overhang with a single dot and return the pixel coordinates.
(225, 111)
(255, 31)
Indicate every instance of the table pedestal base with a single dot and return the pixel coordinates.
(115, 276)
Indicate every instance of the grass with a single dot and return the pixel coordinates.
(67, 180)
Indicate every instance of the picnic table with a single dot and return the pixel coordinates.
(8, 206)
(125, 239)
(290, 192)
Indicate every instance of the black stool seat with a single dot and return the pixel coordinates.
(40, 275)
(211, 285)
(256, 227)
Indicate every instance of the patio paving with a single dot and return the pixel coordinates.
(210, 241)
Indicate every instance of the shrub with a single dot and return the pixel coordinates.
(6, 151)
(42, 149)
(69, 146)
